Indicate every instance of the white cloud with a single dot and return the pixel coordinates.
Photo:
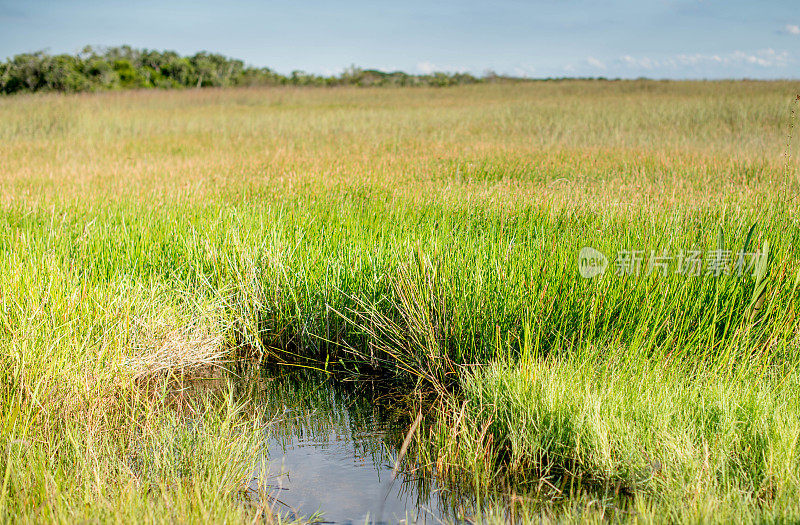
(426, 68)
(642, 62)
(792, 29)
(524, 71)
(592, 61)
(763, 58)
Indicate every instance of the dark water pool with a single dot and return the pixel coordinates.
(331, 452)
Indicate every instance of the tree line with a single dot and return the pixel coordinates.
(98, 69)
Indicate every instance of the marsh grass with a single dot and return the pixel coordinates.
(430, 236)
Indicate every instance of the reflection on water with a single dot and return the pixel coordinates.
(332, 449)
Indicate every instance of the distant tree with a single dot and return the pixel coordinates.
(124, 67)
(25, 72)
(129, 77)
(177, 69)
(215, 70)
(63, 73)
(100, 73)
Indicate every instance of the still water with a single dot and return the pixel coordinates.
(331, 450)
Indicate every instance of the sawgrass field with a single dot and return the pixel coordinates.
(427, 236)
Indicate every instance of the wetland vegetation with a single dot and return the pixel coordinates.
(152, 242)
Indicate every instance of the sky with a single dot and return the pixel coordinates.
(541, 38)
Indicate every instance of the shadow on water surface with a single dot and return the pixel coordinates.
(332, 447)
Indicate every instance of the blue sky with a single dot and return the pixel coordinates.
(613, 38)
